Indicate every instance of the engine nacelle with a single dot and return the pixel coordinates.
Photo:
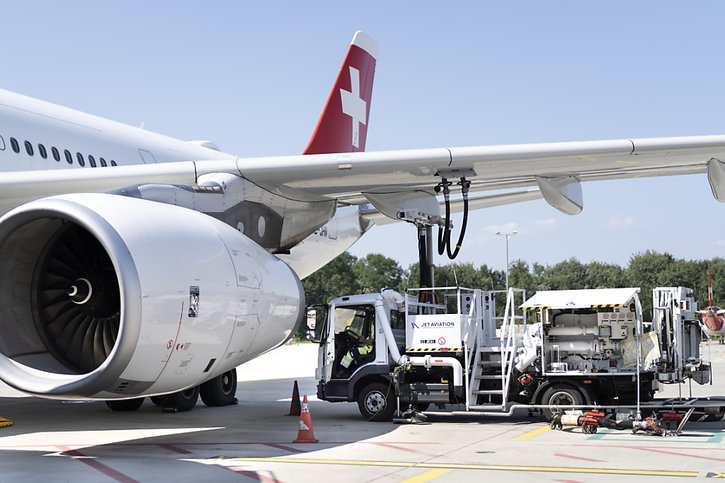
(103, 296)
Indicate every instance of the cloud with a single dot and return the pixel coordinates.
(622, 222)
(548, 224)
(720, 243)
(545, 225)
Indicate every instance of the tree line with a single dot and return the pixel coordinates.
(348, 274)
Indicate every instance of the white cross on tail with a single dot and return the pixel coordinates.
(354, 106)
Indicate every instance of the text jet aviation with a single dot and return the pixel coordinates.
(134, 264)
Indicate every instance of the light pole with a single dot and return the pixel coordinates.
(507, 235)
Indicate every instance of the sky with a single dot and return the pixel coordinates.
(253, 77)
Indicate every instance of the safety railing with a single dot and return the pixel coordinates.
(510, 332)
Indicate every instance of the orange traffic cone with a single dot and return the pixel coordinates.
(305, 434)
(294, 407)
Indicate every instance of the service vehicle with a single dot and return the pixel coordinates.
(456, 347)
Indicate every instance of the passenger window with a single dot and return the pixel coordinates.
(103, 162)
(2, 143)
(81, 161)
(92, 160)
(68, 156)
(56, 154)
(42, 151)
(29, 148)
(113, 163)
(14, 144)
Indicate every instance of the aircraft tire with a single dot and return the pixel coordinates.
(180, 401)
(125, 404)
(221, 390)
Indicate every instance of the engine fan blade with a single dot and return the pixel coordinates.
(78, 299)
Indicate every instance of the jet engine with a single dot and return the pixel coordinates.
(104, 296)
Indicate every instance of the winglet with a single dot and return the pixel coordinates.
(343, 124)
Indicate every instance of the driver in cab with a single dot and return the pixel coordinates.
(355, 331)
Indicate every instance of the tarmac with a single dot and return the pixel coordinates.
(253, 441)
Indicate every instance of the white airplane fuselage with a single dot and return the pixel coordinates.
(37, 122)
(38, 135)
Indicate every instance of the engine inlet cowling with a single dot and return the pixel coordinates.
(104, 296)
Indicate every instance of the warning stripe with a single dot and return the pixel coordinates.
(427, 476)
(598, 306)
(452, 349)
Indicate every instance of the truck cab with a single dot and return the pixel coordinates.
(354, 360)
(378, 349)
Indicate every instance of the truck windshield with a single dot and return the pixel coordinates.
(355, 318)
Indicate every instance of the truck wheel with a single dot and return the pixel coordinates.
(125, 404)
(706, 418)
(376, 402)
(562, 394)
(180, 401)
(220, 391)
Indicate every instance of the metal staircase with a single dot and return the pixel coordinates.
(494, 354)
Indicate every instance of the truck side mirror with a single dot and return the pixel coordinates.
(311, 318)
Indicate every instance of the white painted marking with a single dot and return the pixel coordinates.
(354, 105)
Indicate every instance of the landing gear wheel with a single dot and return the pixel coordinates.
(125, 404)
(180, 401)
(220, 391)
(376, 402)
(560, 394)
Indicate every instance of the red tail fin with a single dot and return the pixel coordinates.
(343, 125)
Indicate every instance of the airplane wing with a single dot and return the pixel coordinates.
(555, 168)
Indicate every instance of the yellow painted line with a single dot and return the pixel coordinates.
(536, 432)
(453, 466)
(427, 476)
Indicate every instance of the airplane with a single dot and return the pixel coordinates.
(712, 316)
(135, 264)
